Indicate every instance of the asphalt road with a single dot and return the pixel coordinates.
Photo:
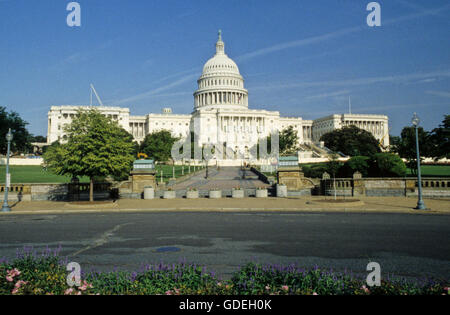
(405, 245)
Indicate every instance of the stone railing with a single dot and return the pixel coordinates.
(431, 187)
(41, 192)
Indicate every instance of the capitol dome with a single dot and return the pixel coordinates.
(220, 63)
(221, 84)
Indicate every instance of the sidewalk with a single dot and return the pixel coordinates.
(301, 204)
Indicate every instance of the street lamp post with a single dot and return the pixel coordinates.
(420, 203)
(5, 207)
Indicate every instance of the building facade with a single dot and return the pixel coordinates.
(222, 115)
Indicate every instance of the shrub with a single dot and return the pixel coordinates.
(388, 165)
(356, 164)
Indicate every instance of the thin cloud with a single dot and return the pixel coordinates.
(298, 43)
(335, 34)
(154, 92)
(439, 93)
(404, 78)
(327, 95)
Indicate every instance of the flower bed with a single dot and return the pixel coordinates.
(46, 275)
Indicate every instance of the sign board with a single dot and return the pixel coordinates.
(288, 161)
(144, 165)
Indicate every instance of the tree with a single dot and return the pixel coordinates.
(96, 147)
(158, 145)
(21, 136)
(357, 164)
(288, 140)
(440, 138)
(40, 139)
(388, 165)
(351, 141)
(406, 146)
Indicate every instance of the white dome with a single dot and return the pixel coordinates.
(221, 85)
(220, 63)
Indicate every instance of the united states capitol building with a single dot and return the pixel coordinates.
(222, 116)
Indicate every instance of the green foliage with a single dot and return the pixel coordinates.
(351, 141)
(357, 164)
(158, 145)
(440, 137)
(288, 141)
(40, 139)
(96, 147)
(406, 145)
(314, 170)
(21, 137)
(46, 274)
(388, 165)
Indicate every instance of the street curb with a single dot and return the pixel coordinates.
(229, 210)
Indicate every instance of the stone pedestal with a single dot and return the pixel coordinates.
(140, 179)
(358, 185)
(293, 178)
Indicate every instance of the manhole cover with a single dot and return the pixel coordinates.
(167, 249)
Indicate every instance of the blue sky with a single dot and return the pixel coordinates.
(302, 58)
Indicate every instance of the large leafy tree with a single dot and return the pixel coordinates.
(21, 137)
(158, 145)
(406, 145)
(96, 147)
(351, 141)
(441, 139)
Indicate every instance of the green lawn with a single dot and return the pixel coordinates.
(36, 174)
(32, 174)
(434, 170)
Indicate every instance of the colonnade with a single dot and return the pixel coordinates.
(242, 124)
(137, 129)
(219, 98)
(374, 127)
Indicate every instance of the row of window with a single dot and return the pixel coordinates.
(163, 124)
(72, 116)
(213, 82)
(220, 67)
